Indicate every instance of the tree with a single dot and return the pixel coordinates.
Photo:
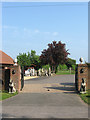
(28, 59)
(70, 62)
(35, 59)
(54, 55)
(46, 66)
(23, 59)
(73, 67)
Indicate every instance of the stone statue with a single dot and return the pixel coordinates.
(11, 87)
(15, 61)
(39, 72)
(81, 60)
(46, 73)
(49, 71)
(83, 86)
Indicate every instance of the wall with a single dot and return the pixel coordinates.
(79, 75)
(16, 77)
(2, 79)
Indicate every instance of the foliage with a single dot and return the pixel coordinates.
(28, 59)
(55, 54)
(35, 59)
(23, 60)
(73, 67)
(59, 67)
(70, 62)
(46, 66)
(62, 67)
(88, 64)
(65, 72)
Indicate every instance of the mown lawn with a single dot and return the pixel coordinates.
(65, 72)
(86, 97)
(5, 95)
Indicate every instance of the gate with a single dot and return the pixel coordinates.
(7, 79)
(76, 78)
(22, 77)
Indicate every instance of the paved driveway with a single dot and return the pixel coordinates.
(46, 97)
(52, 84)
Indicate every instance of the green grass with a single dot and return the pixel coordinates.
(86, 97)
(65, 72)
(5, 95)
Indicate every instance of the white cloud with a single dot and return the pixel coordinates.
(55, 33)
(27, 30)
(9, 27)
(36, 31)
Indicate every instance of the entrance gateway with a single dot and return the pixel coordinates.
(7, 79)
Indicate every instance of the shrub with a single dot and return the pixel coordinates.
(59, 67)
(62, 67)
(46, 66)
(73, 67)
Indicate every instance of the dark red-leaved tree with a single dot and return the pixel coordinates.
(55, 54)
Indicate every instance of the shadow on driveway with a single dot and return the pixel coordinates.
(68, 88)
(62, 88)
(68, 84)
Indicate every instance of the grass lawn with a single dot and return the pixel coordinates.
(5, 95)
(65, 72)
(86, 97)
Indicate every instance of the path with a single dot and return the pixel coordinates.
(35, 101)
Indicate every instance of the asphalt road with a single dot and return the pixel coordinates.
(47, 104)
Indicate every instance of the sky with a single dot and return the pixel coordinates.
(32, 25)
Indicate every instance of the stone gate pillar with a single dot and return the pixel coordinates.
(81, 72)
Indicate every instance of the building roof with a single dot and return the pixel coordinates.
(5, 59)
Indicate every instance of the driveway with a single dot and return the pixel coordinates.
(46, 97)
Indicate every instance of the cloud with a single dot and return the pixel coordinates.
(28, 33)
(55, 33)
(36, 31)
(9, 27)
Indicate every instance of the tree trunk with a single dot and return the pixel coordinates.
(56, 69)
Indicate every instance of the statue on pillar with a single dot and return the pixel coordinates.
(81, 60)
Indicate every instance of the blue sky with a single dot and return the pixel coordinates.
(33, 27)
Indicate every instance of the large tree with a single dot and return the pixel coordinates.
(23, 59)
(70, 62)
(28, 59)
(35, 59)
(55, 54)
